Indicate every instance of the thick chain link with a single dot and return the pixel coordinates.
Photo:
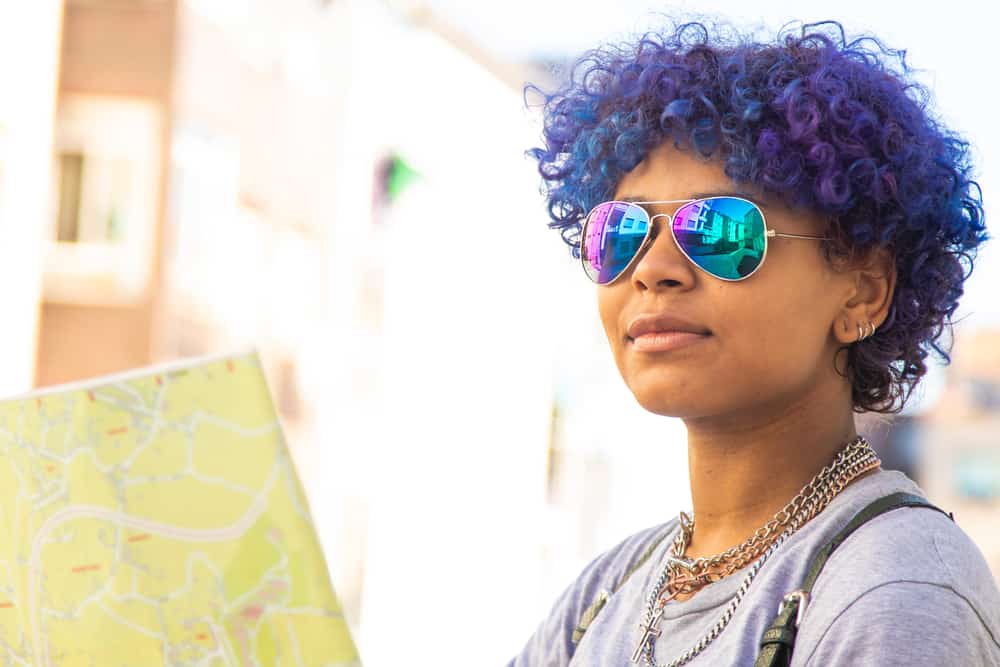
(855, 459)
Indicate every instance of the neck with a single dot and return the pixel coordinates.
(744, 469)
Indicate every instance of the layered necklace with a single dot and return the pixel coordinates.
(682, 576)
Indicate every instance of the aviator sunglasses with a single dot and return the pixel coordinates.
(724, 236)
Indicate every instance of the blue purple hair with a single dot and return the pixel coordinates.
(834, 125)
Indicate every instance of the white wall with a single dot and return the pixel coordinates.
(448, 453)
(29, 56)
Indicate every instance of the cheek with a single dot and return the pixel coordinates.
(609, 310)
(771, 340)
(774, 357)
(790, 334)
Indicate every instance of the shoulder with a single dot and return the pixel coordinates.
(551, 643)
(919, 624)
(610, 568)
(607, 570)
(633, 550)
(909, 587)
(912, 544)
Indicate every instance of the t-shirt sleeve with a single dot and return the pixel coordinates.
(908, 623)
(551, 644)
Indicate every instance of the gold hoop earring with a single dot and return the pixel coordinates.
(866, 331)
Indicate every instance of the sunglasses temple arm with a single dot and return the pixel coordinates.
(771, 234)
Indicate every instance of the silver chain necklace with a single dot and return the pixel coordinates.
(856, 458)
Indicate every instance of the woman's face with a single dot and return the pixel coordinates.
(761, 343)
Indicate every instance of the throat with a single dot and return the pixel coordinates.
(733, 540)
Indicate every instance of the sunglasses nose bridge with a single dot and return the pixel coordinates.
(654, 235)
(653, 228)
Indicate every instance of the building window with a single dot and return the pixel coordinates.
(94, 196)
(106, 183)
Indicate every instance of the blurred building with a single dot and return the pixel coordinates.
(959, 440)
(103, 270)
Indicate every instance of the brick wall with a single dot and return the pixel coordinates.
(120, 48)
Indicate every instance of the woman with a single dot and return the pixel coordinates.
(675, 167)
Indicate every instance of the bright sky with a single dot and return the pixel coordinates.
(954, 44)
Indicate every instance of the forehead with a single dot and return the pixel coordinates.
(667, 173)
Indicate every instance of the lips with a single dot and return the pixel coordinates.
(663, 323)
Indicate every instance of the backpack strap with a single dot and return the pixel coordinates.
(590, 613)
(778, 640)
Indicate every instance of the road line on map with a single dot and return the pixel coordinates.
(129, 624)
(13, 654)
(199, 416)
(222, 641)
(295, 642)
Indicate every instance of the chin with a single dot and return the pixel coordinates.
(668, 404)
(670, 392)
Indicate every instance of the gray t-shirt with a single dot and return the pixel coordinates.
(907, 588)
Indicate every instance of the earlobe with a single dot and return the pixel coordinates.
(867, 306)
(845, 330)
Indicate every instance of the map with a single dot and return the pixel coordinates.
(155, 518)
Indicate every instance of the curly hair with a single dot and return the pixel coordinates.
(816, 120)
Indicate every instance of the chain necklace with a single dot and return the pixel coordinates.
(684, 576)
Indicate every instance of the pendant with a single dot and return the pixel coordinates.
(650, 630)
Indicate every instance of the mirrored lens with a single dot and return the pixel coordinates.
(723, 235)
(612, 234)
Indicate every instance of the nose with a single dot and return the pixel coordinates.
(660, 263)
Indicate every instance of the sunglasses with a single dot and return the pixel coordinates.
(725, 237)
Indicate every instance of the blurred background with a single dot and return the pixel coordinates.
(341, 183)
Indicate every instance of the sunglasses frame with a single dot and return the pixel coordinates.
(768, 233)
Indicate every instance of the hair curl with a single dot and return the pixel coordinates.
(819, 121)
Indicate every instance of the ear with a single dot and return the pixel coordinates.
(873, 283)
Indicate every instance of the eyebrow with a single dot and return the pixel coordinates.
(697, 195)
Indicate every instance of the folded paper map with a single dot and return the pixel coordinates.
(155, 518)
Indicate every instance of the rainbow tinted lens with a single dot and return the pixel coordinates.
(725, 236)
(612, 235)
